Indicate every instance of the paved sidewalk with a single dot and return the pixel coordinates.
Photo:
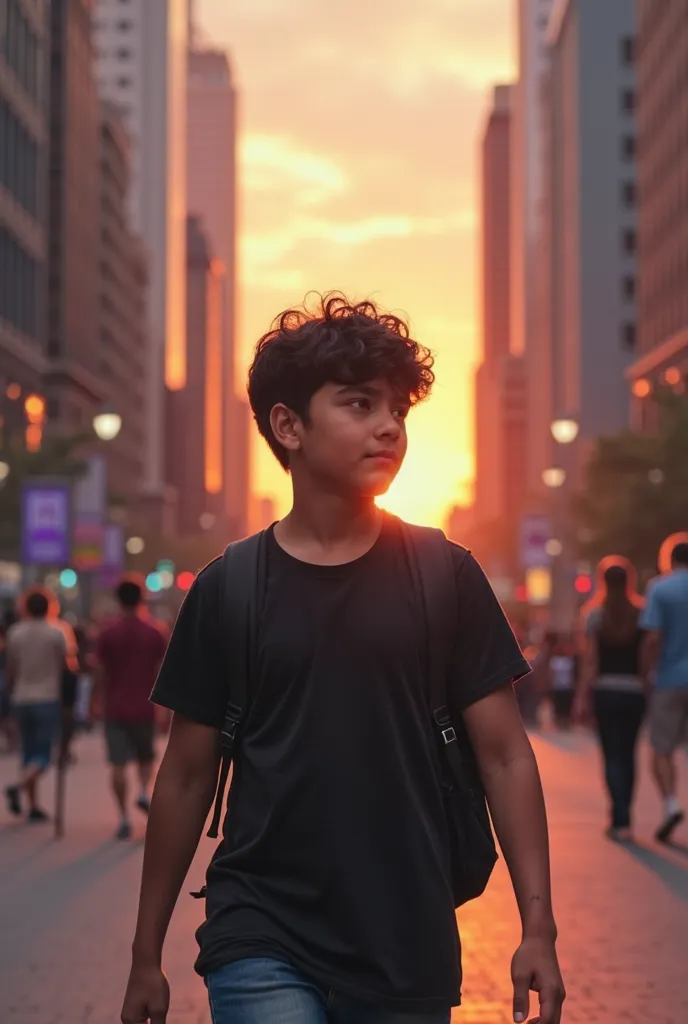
(67, 911)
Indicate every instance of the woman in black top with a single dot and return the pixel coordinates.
(611, 673)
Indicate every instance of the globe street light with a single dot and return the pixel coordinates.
(107, 424)
(554, 477)
(565, 430)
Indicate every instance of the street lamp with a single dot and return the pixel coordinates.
(554, 477)
(565, 430)
(107, 424)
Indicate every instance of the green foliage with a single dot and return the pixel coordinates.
(636, 490)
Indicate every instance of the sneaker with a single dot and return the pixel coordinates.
(620, 835)
(143, 803)
(38, 816)
(13, 797)
(123, 832)
(667, 829)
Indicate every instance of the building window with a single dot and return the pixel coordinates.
(124, 25)
(628, 147)
(18, 160)
(123, 83)
(123, 54)
(18, 285)
(19, 45)
(628, 287)
(629, 241)
(628, 51)
(628, 101)
(628, 193)
(628, 336)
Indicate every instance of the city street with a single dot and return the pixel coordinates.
(67, 910)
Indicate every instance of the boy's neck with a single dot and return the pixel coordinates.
(329, 524)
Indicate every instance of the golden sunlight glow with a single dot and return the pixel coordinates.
(213, 379)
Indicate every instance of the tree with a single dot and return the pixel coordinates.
(636, 489)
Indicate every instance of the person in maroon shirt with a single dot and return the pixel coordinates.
(129, 653)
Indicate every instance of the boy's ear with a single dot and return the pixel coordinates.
(287, 427)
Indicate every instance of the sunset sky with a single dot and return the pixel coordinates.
(360, 125)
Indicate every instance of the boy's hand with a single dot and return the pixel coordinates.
(535, 967)
(147, 998)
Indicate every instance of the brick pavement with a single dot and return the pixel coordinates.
(67, 912)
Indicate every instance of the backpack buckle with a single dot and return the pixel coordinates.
(447, 730)
(230, 726)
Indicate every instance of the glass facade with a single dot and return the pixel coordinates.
(20, 47)
(18, 160)
(19, 276)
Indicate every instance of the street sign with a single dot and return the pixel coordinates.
(113, 555)
(87, 548)
(90, 507)
(45, 523)
(535, 533)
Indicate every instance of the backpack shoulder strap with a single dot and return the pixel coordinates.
(434, 568)
(239, 598)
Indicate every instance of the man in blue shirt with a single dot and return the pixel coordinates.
(665, 653)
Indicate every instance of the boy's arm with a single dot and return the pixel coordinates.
(514, 792)
(182, 798)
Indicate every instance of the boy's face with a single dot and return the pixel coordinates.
(355, 439)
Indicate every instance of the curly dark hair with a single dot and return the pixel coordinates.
(333, 342)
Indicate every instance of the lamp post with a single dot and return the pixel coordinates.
(564, 431)
(107, 424)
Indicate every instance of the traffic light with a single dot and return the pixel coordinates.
(583, 585)
(68, 579)
(185, 581)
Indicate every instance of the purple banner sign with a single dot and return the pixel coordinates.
(45, 524)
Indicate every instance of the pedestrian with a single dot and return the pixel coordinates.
(665, 666)
(36, 653)
(129, 653)
(330, 896)
(563, 666)
(611, 677)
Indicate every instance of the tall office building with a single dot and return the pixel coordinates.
(24, 31)
(589, 238)
(195, 450)
(662, 351)
(73, 385)
(122, 310)
(212, 184)
(527, 175)
(500, 380)
(142, 68)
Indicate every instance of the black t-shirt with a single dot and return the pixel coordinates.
(335, 855)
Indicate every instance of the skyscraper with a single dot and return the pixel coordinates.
(527, 175)
(212, 182)
(662, 351)
(122, 310)
(24, 39)
(500, 381)
(195, 449)
(142, 68)
(589, 239)
(74, 386)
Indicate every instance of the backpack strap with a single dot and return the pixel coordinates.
(434, 570)
(240, 598)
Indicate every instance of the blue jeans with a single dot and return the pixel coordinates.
(39, 727)
(265, 991)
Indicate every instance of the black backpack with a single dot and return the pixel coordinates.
(473, 852)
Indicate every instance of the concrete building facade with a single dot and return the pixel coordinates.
(588, 310)
(142, 68)
(662, 71)
(73, 385)
(212, 186)
(24, 41)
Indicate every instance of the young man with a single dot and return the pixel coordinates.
(129, 654)
(329, 899)
(665, 657)
(36, 654)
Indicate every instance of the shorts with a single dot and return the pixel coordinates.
(39, 727)
(130, 741)
(668, 720)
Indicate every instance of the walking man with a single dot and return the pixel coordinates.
(331, 898)
(36, 653)
(128, 655)
(665, 661)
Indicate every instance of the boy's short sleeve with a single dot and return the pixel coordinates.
(487, 655)
(192, 679)
(651, 615)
